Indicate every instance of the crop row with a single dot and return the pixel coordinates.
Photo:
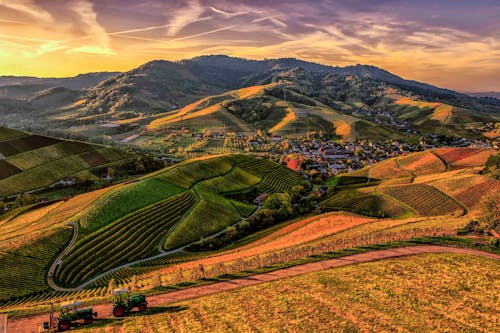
(49, 297)
(22, 270)
(188, 174)
(425, 199)
(258, 166)
(278, 180)
(370, 204)
(132, 237)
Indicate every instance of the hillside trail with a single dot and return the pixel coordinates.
(31, 324)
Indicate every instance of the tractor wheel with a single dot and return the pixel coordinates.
(143, 307)
(88, 320)
(118, 311)
(63, 325)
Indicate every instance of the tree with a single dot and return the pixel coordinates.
(490, 205)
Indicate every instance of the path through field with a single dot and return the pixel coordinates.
(31, 324)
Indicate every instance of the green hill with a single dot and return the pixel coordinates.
(29, 161)
(168, 209)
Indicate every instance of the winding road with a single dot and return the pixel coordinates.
(31, 324)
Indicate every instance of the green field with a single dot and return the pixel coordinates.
(124, 200)
(34, 161)
(424, 293)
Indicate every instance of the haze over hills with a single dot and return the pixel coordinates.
(82, 106)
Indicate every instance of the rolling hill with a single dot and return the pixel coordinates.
(162, 211)
(119, 104)
(273, 108)
(29, 161)
(444, 181)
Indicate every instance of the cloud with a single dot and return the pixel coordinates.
(272, 19)
(28, 7)
(92, 50)
(185, 16)
(49, 47)
(228, 14)
(85, 10)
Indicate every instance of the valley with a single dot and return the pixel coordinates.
(216, 173)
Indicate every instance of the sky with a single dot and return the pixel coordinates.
(448, 43)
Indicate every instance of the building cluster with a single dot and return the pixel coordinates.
(330, 158)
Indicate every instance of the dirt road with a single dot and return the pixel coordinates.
(31, 324)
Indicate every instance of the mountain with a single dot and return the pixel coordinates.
(118, 104)
(491, 94)
(78, 82)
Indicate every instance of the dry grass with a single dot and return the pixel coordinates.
(422, 163)
(442, 113)
(424, 293)
(30, 226)
(468, 189)
(388, 169)
(250, 91)
(343, 129)
(420, 104)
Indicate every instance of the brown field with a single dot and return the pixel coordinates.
(29, 226)
(468, 189)
(478, 159)
(7, 169)
(388, 169)
(424, 199)
(452, 155)
(93, 158)
(422, 293)
(422, 163)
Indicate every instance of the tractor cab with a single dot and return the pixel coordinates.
(124, 302)
(70, 314)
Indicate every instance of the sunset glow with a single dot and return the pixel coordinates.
(453, 44)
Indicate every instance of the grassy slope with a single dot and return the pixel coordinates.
(424, 293)
(126, 199)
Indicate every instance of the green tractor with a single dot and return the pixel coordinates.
(69, 315)
(123, 302)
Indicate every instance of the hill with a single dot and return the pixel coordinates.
(444, 181)
(273, 108)
(29, 161)
(118, 104)
(163, 211)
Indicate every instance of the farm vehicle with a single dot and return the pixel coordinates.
(70, 315)
(124, 302)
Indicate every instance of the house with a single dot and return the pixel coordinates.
(259, 200)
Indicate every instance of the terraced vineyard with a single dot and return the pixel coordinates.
(132, 237)
(23, 269)
(424, 199)
(369, 204)
(187, 174)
